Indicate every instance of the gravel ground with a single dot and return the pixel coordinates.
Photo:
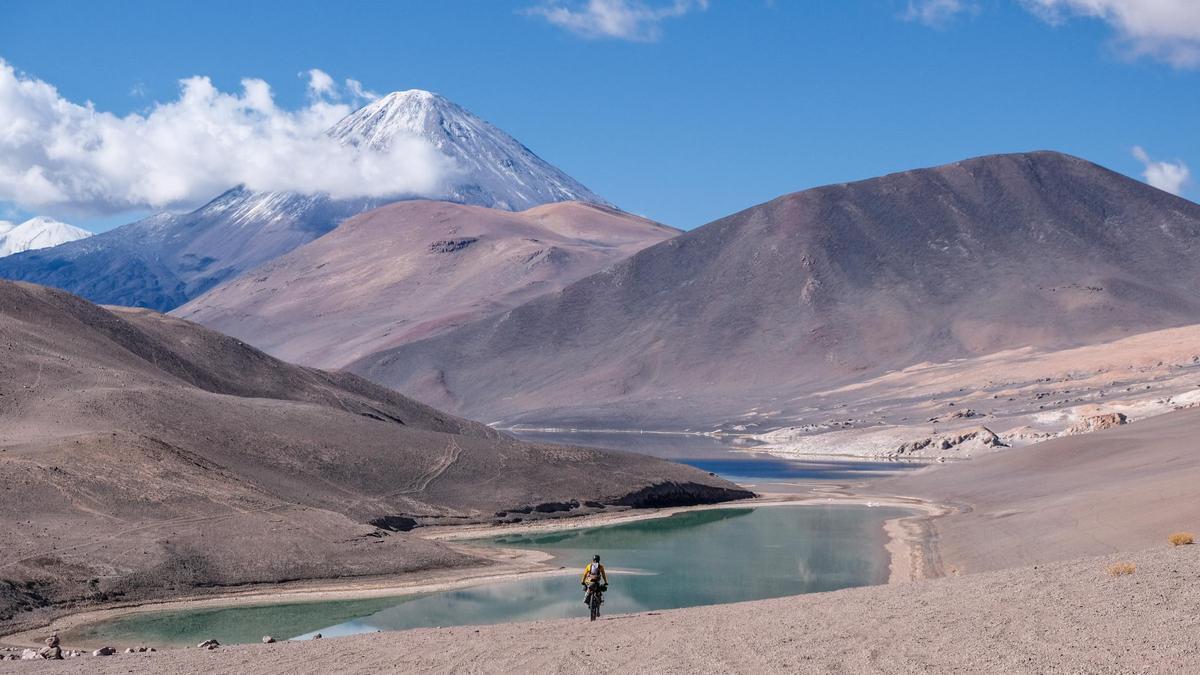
(1069, 617)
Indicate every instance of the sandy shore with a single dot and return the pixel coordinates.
(908, 549)
(1124, 489)
(1069, 617)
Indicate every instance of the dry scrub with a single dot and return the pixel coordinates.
(1181, 539)
(1121, 569)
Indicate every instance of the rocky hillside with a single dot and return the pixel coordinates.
(144, 456)
(824, 287)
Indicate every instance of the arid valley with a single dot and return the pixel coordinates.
(333, 380)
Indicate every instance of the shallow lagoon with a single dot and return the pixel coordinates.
(688, 559)
(732, 457)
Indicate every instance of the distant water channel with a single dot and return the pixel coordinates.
(731, 457)
(688, 559)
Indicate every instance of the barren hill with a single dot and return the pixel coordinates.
(410, 270)
(143, 455)
(828, 286)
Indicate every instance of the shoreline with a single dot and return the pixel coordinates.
(909, 546)
(518, 429)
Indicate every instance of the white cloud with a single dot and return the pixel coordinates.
(1168, 30)
(936, 12)
(1166, 176)
(358, 93)
(320, 84)
(60, 156)
(633, 20)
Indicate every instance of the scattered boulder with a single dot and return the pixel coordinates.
(317, 636)
(104, 651)
(267, 639)
(53, 653)
(556, 507)
(30, 655)
(1025, 433)
(394, 523)
(962, 443)
(451, 245)
(209, 644)
(1096, 423)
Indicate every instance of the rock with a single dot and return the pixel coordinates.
(53, 653)
(1025, 433)
(1096, 423)
(317, 636)
(963, 443)
(451, 245)
(554, 507)
(267, 639)
(209, 644)
(394, 523)
(52, 641)
(29, 655)
(104, 651)
(130, 650)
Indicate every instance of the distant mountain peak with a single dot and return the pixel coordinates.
(412, 95)
(495, 169)
(163, 261)
(36, 233)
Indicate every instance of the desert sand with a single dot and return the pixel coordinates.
(1116, 490)
(1022, 396)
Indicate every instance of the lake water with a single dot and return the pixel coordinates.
(732, 457)
(688, 559)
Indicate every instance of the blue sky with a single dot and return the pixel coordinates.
(688, 111)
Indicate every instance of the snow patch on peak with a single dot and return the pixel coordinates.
(493, 168)
(37, 233)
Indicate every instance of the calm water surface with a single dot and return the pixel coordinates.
(731, 457)
(688, 559)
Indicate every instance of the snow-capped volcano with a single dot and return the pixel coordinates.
(36, 233)
(163, 261)
(493, 168)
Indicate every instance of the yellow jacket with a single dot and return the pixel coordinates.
(587, 570)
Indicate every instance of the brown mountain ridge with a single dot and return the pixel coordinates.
(414, 269)
(825, 287)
